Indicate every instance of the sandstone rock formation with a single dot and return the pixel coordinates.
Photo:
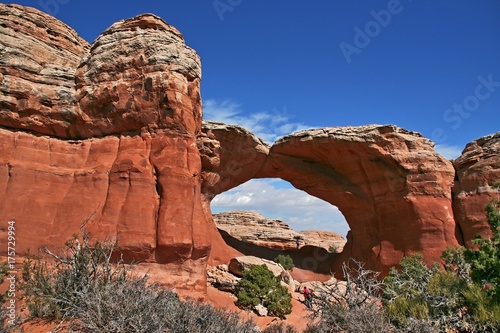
(220, 278)
(39, 58)
(230, 155)
(142, 180)
(138, 74)
(114, 130)
(254, 228)
(478, 168)
(327, 240)
(390, 184)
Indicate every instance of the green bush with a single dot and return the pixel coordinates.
(333, 249)
(484, 312)
(285, 260)
(417, 293)
(259, 286)
(485, 258)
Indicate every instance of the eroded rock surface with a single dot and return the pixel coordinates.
(478, 169)
(131, 104)
(138, 74)
(38, 60)
(389, 183)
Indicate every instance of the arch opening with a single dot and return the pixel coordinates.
(278, 199)
(264, 217)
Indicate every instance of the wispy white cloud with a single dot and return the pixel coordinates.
(267, 125)
(449, 152)
(274, 199)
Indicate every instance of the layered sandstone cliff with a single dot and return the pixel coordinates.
(271, 233)
(107, 129)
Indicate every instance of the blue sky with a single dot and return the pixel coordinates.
(279, 66)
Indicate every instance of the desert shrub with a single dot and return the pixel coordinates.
(350, 306)
(285, 260)
(135, 306)
(484, 313)
(279, 328)
(56, 291)
(3, 273)
(258, 285)
(417, 295)
(279, 301)
(203, 318)
(85, 287)
(420, 298)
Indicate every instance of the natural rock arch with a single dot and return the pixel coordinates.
(390, 184)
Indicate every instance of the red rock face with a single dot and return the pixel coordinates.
(230, 156)
(477, 170)
(133, 114)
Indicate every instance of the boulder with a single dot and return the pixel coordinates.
(261, 310)
(239, 264)
(220, 278)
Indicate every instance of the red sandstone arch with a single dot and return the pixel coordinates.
(390, 184)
